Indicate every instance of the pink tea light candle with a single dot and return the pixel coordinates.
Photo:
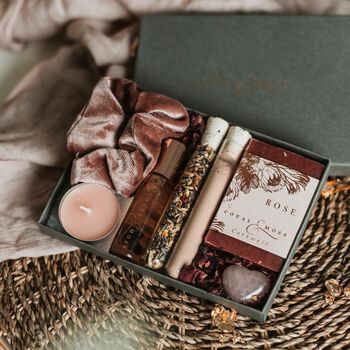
(89, 212)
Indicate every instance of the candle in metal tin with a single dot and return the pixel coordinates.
(89, 212)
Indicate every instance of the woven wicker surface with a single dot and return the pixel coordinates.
(79, 301)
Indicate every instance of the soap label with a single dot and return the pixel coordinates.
(265, 204)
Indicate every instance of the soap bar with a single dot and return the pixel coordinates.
(235, 246)
(287, 158)
(264, 205)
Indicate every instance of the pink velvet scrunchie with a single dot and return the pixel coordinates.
(119, 134)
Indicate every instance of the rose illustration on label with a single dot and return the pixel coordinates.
(218, 225)
(256, 172)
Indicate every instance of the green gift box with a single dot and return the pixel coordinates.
(50, 224)
(284, 76)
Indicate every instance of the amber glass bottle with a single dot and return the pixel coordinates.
(149, 204)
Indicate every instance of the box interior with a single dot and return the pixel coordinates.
(50, 224)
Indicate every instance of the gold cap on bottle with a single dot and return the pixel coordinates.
(170, 158)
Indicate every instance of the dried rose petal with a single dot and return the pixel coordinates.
(189, 275)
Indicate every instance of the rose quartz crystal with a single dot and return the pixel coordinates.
(243, 285)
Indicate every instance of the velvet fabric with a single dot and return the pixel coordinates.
(119, 134)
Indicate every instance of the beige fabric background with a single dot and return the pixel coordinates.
(97, 39)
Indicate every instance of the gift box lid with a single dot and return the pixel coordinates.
(285, 76)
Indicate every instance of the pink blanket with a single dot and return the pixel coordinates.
(36, 116)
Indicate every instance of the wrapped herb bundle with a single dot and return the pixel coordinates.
(185, 193)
